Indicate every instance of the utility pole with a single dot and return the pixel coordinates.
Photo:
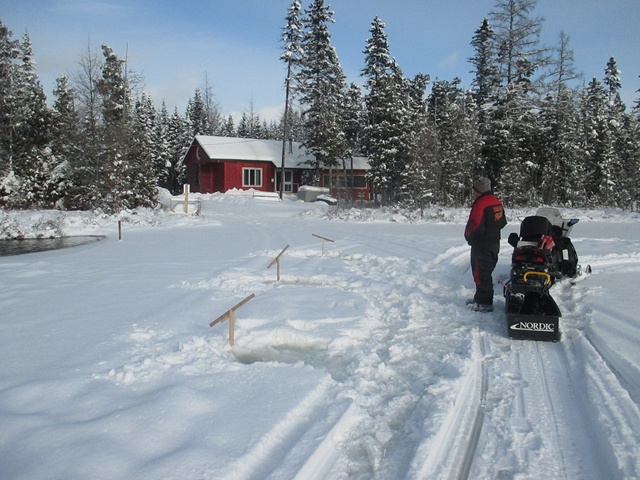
(285, 128)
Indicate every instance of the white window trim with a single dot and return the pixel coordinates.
(253, 170)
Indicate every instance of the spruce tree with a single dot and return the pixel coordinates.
(387, 134)
(378, 61)
(228, 128)
(511, 144)
(619, 125)
(161, 141)
(112, 191)
(452, 116)
(197, 115)
(292, 35)
(486, 72)
(65, 137)
(178, 144)
(386, 116)
(322, 87)
(141, 164)
(558, 137)
(8, 54)
(33, 163)
(595, 143)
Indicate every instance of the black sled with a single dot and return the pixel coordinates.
(542, 254)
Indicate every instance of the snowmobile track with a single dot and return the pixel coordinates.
(626, 372)
(562, 422)
(452, 452)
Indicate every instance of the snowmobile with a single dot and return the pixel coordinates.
(542, 254)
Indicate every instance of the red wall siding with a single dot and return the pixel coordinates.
(233, 175)
(206, 178)
(359, 193)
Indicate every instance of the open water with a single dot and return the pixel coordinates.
(32, 245)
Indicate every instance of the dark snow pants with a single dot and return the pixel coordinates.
(484, 257)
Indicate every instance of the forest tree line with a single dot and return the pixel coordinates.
(528, 121)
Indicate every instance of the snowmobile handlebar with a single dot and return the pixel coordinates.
(545, 275)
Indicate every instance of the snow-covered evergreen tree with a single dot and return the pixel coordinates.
(486, 72)
(510, 151)
(485, 87)
(292, 35)
(31, 133)
(595, 143)
(116, 97)
(322, 87)
(113, 188)
(65, 136)
(558, 138)
(452, 115)
(387, 133)
(8, 54)
(377, 57)
(140, 158)
(178, 141)
(161, 142)
(198, 116)
(354, 120)
(250, 125)
(228, 128)
(620, 125)
(612, 80)
(387, 116)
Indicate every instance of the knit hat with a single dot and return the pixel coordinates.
(482, 185)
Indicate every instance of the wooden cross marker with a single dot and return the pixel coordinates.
(231, 315)
(277, 262)
(324, 239)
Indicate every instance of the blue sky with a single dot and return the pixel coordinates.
(236, 43)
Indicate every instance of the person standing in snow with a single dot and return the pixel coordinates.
(482, 232)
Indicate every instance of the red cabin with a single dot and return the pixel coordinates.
(218, 164)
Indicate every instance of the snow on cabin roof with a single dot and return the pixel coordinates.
(250, 149)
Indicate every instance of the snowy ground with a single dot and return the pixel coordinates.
(361, 362)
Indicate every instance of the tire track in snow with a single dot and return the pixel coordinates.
(612, 413)
(450, 453)
(626, 372)
(556, 434)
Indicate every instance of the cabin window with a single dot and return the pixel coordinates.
(345, 181)
(251, 177)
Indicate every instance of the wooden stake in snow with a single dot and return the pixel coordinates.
(231, 315)
(324, 239)
(186, 188)
(277, 262)
(119, 229)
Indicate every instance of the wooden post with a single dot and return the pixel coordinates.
(277, 262)
(231, 315)
(324, 239)
(232, 327)
(119, 229)
(186, 197)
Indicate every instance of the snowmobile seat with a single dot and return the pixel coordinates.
(534, 227)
